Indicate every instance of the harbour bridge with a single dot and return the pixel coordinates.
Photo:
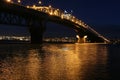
(36, 17)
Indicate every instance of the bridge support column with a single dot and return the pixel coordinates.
(36, 35)
(81, 39)
(36, 32)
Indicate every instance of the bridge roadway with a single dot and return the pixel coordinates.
(35, 18)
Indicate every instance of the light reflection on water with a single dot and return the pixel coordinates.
(54, 62)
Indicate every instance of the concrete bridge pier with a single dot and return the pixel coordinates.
(81, 38)
(36, 33)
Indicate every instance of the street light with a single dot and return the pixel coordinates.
(8, 1)
(40, 2)
(85, 37)
(19, 1)
(78, 38)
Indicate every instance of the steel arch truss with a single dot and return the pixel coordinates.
(12, 19)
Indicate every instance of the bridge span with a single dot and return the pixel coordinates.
(36, 17)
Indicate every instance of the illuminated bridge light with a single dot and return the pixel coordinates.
(51, 13)
(34, 7)
(8, 1)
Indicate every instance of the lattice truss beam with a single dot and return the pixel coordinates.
(11, 19)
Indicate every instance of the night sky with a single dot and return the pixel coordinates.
(90, 11)
(101, 15)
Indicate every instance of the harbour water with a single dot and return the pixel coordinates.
(85, 61)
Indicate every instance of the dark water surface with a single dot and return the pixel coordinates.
(59, 62)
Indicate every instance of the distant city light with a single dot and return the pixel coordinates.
(21, 38)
